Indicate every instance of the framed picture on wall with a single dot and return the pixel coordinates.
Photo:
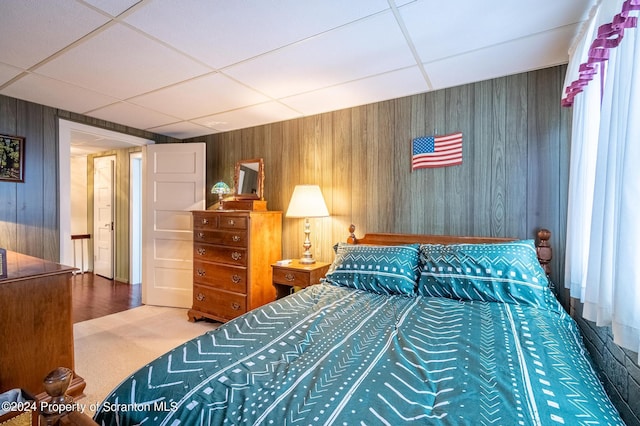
(11, 158)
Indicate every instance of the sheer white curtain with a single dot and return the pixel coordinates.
(603, 229)
(584, 142)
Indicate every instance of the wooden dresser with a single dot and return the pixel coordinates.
(35, 324)
(232, 254)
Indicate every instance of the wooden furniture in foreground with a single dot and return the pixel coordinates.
(296, 274)
(59, 409)
(56, 408)
(18, 409)
(232, 251)
(35, 324)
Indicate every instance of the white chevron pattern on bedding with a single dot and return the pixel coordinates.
(335, 355)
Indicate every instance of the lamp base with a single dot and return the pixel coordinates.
(307, 257)
(307, 260)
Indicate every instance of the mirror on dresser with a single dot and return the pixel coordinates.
(248, 182)
(249, 179)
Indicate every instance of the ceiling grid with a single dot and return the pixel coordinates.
(187, 69)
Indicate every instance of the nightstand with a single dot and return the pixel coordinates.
(296, 274)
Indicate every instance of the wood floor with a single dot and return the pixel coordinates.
(94, 296)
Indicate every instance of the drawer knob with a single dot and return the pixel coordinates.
(235, 238)
(205, 221)
(201, 251)
(236, 278)
(201, 272)
(231, 222)
(235, 306)
(289, 277)
(201, 235)
(200, 297)
(236, 256)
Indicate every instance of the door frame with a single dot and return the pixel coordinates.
(135, 217)
(65, 132)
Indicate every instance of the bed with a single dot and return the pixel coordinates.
(431, 329)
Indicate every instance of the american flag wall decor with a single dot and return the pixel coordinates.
(436, 151)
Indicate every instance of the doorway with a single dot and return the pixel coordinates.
(74, 136)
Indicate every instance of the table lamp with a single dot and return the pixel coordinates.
(221, 189)
(306, 202)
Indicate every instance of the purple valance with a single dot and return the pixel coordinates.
(608, 37)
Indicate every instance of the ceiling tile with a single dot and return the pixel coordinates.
(395, 84)
(104, 64)
(194, 67)
(224, 32)
(183, 130)
(46, 91)
(444, 29)
(201, 96)
(255, 115)
(7, 72)
(132, 115)
(368, 47)
(31, 32)
(543, 50)
(113, 7)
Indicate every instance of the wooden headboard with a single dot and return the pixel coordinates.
(543, 248)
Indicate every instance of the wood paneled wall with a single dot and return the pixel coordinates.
(29, 210)
(29, 221)
(513, 179)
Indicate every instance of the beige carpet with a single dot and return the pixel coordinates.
(109, 348)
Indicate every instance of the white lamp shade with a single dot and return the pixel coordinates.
(307, 201)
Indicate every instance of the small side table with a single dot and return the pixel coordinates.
(296, 274)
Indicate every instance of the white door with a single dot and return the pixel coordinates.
(103, 208)
(174, 186)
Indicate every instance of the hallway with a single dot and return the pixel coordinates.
(95, 296)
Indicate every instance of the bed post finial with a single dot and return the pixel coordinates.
(352, 236)
(543, 249)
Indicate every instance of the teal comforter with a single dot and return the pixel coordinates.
(334, 355)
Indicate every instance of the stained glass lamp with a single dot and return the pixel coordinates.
(221, 189)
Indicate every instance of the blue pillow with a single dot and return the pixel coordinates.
(497, 272)
(380, 269)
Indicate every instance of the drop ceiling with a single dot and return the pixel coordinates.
(187, 68)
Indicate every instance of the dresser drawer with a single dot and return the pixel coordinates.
(205, 221)
(228, 221)
(228, 255)
(232, 252)
(221, 304)
(225, 238)
(292, 278)
(222, 277)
